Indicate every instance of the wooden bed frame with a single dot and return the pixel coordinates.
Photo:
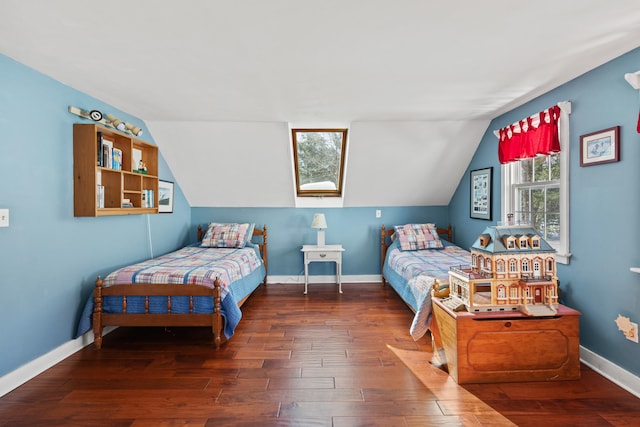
(385, 242)
(214, 320)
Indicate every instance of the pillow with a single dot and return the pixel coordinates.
(418, 236)
(232, 235)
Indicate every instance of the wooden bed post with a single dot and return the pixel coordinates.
(264, 253)
(383, 250)
(217, 314)
(97, 313)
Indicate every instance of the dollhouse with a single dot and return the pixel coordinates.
(512, 269)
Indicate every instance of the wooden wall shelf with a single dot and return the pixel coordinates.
(119, 185)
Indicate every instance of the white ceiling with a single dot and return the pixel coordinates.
(405, 74)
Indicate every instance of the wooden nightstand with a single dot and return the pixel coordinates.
(326, 253)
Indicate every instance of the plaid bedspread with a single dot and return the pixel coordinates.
(191, 265)
(434, 263)
(420, 270)
(240, 271)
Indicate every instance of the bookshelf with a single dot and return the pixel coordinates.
(124, 189)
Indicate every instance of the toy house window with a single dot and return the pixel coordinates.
(525, 265)
(550, 265)
(318, 157)
(523, 243)
(513, 293)
(500, 266)
(474, 260)
(511, 244)
(513, 266)
(535, 243)
(536, 268)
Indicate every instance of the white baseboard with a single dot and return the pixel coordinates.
(611, 371)
(16, 378)
(365, 278)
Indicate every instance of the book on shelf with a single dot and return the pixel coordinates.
(107, 153)
(136, 158)
(100, 196)
(116, 159)
(147, 199)
(99, 134)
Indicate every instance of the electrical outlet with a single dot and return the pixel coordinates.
(4, 217)
(378, 213)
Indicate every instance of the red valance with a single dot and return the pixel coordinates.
(526, 138)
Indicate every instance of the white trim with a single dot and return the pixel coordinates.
(611, 371)
(299, 279)
(633, 79)
(16, 378)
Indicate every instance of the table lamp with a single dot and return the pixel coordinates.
(320, 223)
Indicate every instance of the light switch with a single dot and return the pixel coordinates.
(4, 217)
(378, 213)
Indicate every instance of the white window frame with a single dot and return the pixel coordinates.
(510, 179)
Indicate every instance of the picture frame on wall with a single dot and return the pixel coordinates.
(481, 193)
(600, 147)
(165, 196)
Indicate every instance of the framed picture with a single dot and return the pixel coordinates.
(600, 147)
(481, 193)
(165, 196)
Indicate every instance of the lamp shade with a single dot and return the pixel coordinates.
(319, 221)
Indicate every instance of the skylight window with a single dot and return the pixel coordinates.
(318, 156)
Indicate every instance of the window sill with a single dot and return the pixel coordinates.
(562, 258)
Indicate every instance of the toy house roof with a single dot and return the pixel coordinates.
(497, 237)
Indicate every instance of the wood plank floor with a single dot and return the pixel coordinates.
(318, 360)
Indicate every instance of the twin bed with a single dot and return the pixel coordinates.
(415, 261)
(206, 283)
(203, 284)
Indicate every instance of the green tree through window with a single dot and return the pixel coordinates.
(319, 161)
(537, 195)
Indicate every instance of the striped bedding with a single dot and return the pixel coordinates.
(240, 271)
(413, 273)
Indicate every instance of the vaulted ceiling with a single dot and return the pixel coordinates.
(413, 79)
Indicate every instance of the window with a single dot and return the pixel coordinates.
(536, 191)
(318, 156)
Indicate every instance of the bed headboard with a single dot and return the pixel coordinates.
(262, 242)
(385, 238)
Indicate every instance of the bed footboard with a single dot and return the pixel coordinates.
(102, 319)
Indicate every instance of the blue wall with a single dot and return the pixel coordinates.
(48, 258)
(356, 229)
(605, 206)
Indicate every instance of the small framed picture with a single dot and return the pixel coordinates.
(600, 147)
(165, 196)
(481, 193)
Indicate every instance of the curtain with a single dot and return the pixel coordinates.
(537, 134)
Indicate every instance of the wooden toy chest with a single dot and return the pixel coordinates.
(507, 347)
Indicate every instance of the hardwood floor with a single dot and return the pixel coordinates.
(323, 359)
